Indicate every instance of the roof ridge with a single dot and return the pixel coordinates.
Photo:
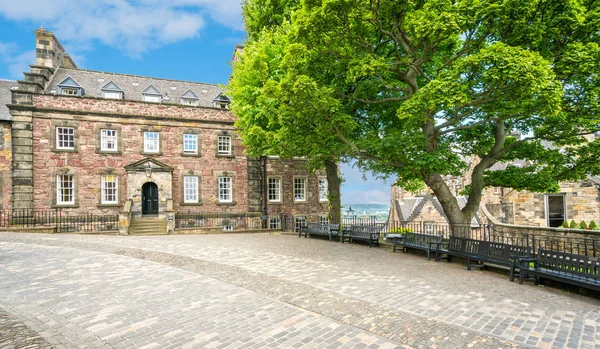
(141, 76)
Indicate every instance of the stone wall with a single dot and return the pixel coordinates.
(88, 164)
(287, 170)
(5, 166)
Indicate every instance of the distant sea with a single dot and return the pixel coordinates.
(380, 211)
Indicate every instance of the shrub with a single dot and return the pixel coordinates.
(564, 225)
(573, 225)
(400, 231)
(593, 225)
(582, 225)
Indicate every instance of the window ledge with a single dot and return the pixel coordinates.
(226, 203)
(191, 155)
(150, 154)
(275, 202)
(56, 150)
(108, 152)
(300, 202)
(65, 206)
(190, 203)
(225, 156)
(108, 205)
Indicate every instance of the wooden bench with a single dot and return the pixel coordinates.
(423, 242)
(569, 268)
(367, 233)
(324, 229)
(496, 253)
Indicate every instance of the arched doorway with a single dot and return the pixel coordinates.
(149, 199)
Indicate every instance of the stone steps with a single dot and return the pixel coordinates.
(148, 226)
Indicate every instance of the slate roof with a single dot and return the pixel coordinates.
(6, 98)
(409, 208)
(68, 82)
(132, 85)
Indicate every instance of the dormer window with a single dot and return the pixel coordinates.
(189, 98)
(70, 87)
(151, 94)
(112, 91)
(221, 101)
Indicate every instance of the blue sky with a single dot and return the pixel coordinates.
(176, 39)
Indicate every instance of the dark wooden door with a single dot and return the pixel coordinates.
(149, 198)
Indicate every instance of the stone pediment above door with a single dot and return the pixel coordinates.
(146, 163)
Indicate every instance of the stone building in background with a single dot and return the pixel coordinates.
(579, 201)
(88, 141)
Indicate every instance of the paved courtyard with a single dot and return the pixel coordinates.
(274, 291)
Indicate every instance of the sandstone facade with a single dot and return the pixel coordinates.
(56, 96)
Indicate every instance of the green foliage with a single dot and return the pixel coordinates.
(402, 231)
(573, 225)
(410, 88)
(593, 225)
(565, 224)
(582, 225)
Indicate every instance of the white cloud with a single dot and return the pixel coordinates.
(134, 26)
(17, 61)
(366, 197)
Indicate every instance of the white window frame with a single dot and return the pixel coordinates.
(189, 101)
(275, 189)
(60, 188)
(104, 190)
(190, 141)
(324, 220)
(299, 220)
(105, 138)
(496, 190)
(112, 95)
(224, 145)
(190, 189)
(225, 189)
(147, 141)
(71, 140)
(152, 98)
(275, 223)
(297, 191)
(323, 194)
(69, 91)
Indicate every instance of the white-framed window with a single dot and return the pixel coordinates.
(69, 91)
(112, 95)
(152, 98)
(300, 189)
(110, 189)
(275, 223)
(225, 189)
(190, 189)
(151, 142)
(496, 190)
(323, 189)
(108, 140)
(65, 189)
(274, 184)
(190, 143)
(224, 145)
(189, 101)
(65, 138)
(299, 222)
(324, 220)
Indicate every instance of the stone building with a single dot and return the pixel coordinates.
(88, 141)
(579, 201)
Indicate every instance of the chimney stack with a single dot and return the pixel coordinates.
(49, 52)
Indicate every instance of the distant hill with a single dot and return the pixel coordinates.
(380, 211)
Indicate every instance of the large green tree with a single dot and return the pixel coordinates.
(409, 87)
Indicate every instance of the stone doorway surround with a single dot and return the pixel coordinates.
(149, 170)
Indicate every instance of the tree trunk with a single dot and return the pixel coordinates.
(333, 184)
(460, 224)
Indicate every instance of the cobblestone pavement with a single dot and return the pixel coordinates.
(388, 298)
(15, 334)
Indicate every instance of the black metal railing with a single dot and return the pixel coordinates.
(227, 221)
(63, 221)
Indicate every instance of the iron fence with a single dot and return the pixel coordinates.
(61, 220)
(228, 221)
